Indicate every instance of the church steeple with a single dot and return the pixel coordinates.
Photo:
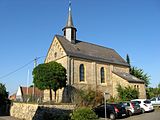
(69, 30)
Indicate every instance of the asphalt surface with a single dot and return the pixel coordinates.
(146, 116)
(7, 118)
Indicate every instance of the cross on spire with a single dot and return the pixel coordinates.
(69, 5)
(69, 30)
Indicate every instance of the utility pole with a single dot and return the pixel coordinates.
(27, 82)
(33, 90)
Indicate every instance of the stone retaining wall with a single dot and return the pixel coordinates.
(25, 111)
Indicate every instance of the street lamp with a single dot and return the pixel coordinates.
(106, 97)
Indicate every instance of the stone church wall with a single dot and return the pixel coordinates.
(56, 52)
(92, 73)
(118, 80)
(141, 88)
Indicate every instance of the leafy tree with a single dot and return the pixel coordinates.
(139, 73)
(3, 93)
(152, 92)
(127, 93)
(159, 85)
(50, 76)
(128, 61)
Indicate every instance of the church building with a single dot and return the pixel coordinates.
(89, 65)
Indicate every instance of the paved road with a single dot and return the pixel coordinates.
(7, 118)
(146, 116)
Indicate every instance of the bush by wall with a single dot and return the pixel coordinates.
(83, 114)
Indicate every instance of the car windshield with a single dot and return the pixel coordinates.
(153, 99)
(135, 103)
(126, 104)
(139, 102)
(147, 101)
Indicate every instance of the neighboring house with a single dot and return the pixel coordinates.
(24, 93)
(89, 65)
(12, 97)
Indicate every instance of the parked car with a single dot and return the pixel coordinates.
(145, 104)
(132, 107)
(113, 111)
(155, 101)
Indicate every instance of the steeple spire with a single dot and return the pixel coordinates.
(69, 30)
(70, 21)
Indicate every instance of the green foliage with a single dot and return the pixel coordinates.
(3, 93)
(128, 59)
(127, 93)
(50, 75)
(114, 99)
(139, 73)
(84, 114)
(152, 92)
(89, 97)
(4, 102)
(159, 85)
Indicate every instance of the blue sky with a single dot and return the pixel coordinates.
(27, 28)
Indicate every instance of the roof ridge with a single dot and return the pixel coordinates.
(104, 54)
(87, 42)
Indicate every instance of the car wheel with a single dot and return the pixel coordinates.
(112, 116)
(142, 110)
(129, 113)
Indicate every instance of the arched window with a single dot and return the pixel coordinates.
(102, 75)
(81, 73)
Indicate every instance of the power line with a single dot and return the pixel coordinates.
(8, 74)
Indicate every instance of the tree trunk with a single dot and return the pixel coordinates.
(50, 93)
(55, 96)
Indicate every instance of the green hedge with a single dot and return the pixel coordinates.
(83, 114)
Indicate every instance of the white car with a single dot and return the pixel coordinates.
(145, 104)
(155, 101)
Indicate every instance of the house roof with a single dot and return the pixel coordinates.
(91, 51)
(12, 97)
(130, 78)
(37, 92)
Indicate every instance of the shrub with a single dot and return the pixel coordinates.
(88, 98)
(127, 93)
(113, 99)
(84, 114)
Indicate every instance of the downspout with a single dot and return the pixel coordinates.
(69, 70)
(96, 75)
(72, 71)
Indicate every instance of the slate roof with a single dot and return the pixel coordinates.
(91, 51)
(130, 78)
